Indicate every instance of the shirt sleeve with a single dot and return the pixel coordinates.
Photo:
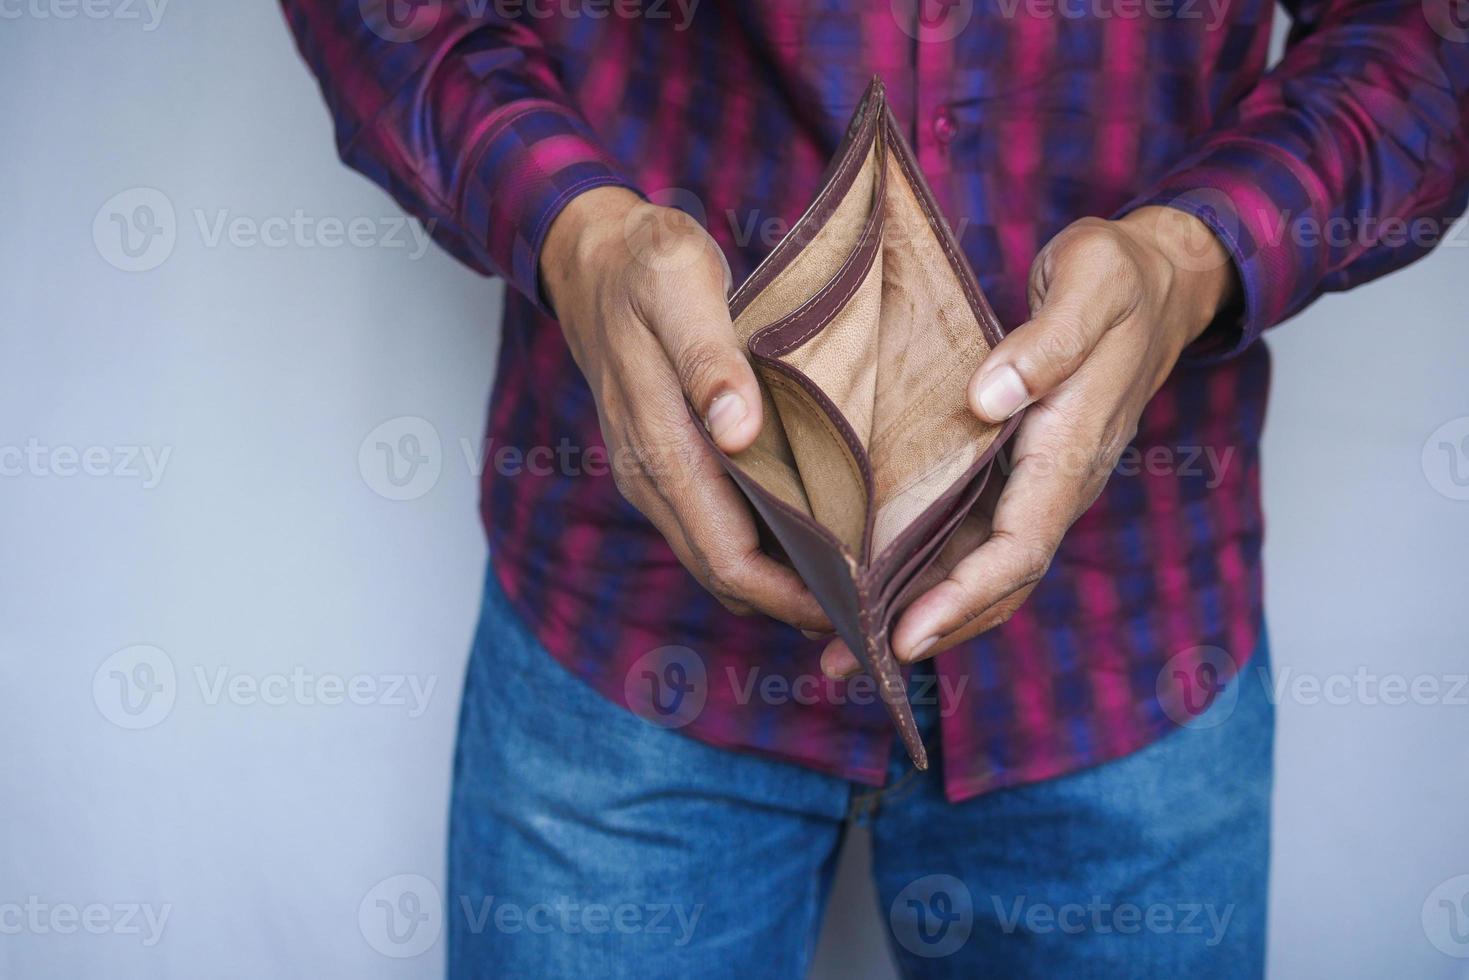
(1348, 160)
(458, 112)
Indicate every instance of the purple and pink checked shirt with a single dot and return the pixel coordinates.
(1341, 163)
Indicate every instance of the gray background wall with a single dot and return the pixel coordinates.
(183, 493)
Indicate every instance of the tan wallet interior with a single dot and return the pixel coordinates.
(895, 362)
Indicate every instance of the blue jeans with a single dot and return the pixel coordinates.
(586, 842)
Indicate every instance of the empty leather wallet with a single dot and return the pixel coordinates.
(864, 326)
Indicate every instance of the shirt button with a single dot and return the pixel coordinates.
(944, 128)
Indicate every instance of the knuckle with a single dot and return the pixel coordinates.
(1117, 435)
(1103, 249)
(1096, 243)
(684, 268)
(627, 483)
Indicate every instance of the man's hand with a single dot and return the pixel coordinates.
(1113, 305)
(640, 291)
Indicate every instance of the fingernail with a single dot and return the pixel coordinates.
(725, 413)
(920, 649)
(1002, 393)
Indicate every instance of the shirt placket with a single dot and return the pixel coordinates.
(935, 124)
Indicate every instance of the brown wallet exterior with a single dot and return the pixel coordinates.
(864, 326)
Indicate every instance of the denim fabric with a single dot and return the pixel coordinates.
(587, 842)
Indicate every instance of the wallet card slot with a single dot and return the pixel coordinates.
(908, 557)
(767, 501)
(817, 361)
(826, 304)
(833, 340)
(832, 463)
(851, 155)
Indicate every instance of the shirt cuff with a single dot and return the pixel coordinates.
(533, 158)
(1247, 199)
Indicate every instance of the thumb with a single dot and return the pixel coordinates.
(712, 369)
(1083, 299)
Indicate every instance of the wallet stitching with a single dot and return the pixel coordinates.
(971, 288)
(963, 285)
(935, 227)
(872, 233)
(909, 412)
(786, 381)
(826, 320)
(975, 307)
(753, 489)
(926, 474)
(790, 242)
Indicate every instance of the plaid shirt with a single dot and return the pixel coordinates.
(1341, 163)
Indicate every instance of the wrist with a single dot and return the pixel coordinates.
(578, 234)
(1202, 277)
